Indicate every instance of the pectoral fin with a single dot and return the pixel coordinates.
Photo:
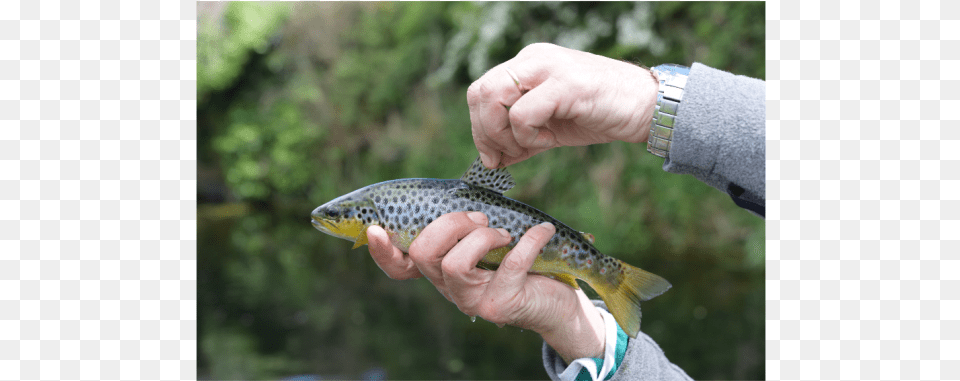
(361, 239)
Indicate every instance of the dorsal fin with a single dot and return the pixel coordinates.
(498, 180)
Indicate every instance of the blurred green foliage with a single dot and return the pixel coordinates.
(300, 103)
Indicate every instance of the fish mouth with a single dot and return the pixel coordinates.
(321, 224)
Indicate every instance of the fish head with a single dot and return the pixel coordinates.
(346, 217)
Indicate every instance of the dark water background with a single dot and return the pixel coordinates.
(300, 103)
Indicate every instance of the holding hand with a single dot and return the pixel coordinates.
(565, 98)
(447, 252)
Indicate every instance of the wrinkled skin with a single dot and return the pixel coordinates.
(574, 99)
(568, 98)
(447, 253)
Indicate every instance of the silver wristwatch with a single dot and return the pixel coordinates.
(672, 79)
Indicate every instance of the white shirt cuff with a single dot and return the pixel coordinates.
(610, 348)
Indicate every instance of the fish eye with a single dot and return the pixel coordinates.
(332, 212)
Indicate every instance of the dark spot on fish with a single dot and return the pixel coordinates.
(583, 246)
(429, 220)
(377, 199)
(593, 251)
(390, 209)
(436, 200)
(403, 198)
(406, 220)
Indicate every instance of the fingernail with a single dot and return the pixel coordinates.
(503, 232)
(548, 226)
(477, 217)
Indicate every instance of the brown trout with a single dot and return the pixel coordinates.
(404, 208)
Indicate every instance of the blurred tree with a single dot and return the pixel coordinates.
(299, 103)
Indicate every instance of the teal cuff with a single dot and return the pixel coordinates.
(621, 350)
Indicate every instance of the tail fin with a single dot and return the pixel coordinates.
(636, 285)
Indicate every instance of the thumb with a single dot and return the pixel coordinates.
(531, 113)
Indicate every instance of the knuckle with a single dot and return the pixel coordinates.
(537, 47)
(525, 135)
(450, 267)
(478, 91)
(473, 93)
(512, 263)
(416, 250)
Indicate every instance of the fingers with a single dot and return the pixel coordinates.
(508, 128)
(390, 259)
(489, 99)
(512, 274)
(438, 238)
(530, 115)
(463, 280)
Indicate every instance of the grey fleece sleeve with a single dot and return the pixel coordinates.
(720, 135)
(643, 360)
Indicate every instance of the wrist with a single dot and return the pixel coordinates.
(578, 335)
(649, 89)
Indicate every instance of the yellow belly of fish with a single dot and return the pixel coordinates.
(553, 269)
(540, 266)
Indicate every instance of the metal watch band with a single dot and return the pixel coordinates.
(672, 79)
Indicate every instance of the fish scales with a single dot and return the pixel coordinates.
(404, 207)
(407, 206)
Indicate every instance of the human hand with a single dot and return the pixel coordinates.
(447, 252)
(575, 98)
